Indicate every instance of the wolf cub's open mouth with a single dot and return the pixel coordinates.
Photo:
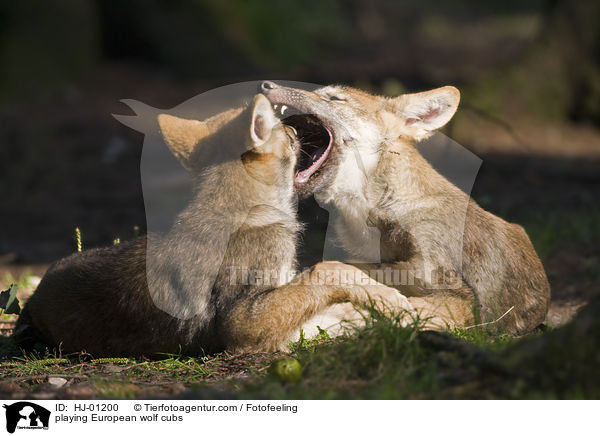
(315, 140)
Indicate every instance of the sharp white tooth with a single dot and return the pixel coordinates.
(276, 107)
(283, 109)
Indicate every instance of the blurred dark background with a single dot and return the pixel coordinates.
(528, 71)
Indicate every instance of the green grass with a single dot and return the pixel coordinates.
(381, 360)
(180, 368)
(309, 344)
(108, 377)
(483, 338)
(29, 366)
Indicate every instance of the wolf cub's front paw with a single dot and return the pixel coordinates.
(389, 300)
(365, 292)
(361, 289)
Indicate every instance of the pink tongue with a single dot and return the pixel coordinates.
(303, 176)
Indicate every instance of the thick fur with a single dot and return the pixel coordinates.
(99, 300)
(378, 178)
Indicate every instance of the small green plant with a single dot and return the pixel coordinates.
(9, 303)
(51, 361)
(482, 337)
(177, 367)
(113, 360)
(309, 344)
(78, 244)
(34, 364)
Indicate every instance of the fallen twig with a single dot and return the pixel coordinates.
(491, 322)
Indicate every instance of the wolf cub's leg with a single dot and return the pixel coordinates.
(266, 320)
(444, 311)
(364, 290)
(439, 306)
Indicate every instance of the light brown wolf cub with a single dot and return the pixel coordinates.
(189, 296)
(365, 169)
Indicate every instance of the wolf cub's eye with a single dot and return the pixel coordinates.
(335, 98)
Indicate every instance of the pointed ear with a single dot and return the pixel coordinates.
(427, 111)
(182, 136)
(263, 120)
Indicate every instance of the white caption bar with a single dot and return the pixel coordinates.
(481, 418)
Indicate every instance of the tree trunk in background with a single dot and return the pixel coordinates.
(572, 34)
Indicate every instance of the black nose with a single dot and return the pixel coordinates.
(266, 86)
